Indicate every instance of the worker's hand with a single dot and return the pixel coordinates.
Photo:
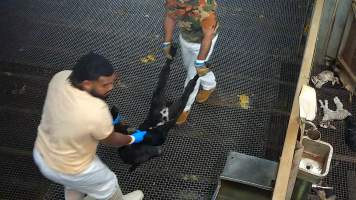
(137, 136)
(167, 50)
(117, 120)
(201, 67)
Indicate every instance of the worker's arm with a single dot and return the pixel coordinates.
(119, 139)
(169, 20)
(209, 25)
(169, 26)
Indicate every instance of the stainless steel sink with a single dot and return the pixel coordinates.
(316, 159)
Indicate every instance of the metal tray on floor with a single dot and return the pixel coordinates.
(246, 177)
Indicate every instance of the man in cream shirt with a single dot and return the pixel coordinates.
(75, 119)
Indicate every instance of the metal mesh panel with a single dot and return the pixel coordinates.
(19, 178)
(23, 93)
(256, 55)
(18, 129)
(343, 162)
(338, 179)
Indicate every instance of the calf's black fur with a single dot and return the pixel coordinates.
(350, 132)
(161, 118)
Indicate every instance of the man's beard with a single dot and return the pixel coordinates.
(95, 94)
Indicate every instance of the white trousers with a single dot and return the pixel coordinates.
(98, 181)
(190, 53)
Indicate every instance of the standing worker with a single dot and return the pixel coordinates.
(75, 119)
(198, 25)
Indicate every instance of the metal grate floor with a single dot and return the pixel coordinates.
(256, 55)
(343, 166)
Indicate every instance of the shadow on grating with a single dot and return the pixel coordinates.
(20, 178)
(351, 177)
(338, 178)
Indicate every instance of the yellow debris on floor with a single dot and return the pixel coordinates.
(148, 59)
(244, 101)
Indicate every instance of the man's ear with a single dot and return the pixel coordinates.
(87, 85)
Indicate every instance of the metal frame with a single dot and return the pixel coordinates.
(285, 165)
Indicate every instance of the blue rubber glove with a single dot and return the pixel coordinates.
(117, 120)
(138, 136)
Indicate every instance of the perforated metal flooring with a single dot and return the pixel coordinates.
(343, 166)
(256, 55)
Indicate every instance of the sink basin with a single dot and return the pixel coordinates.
(316, 159)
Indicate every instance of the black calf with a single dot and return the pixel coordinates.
(161, 118)
(350, 132)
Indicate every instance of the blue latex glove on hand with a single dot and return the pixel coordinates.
(138, 136)
(117, 120)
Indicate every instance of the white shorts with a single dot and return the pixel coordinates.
(97, 180)
(190, 52)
